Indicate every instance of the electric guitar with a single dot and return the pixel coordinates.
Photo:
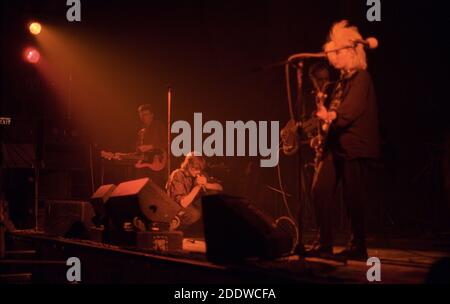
(318, 142)
(154, 160)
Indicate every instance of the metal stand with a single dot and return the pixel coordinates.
(36, 194)
(169, 109)
(2, 228)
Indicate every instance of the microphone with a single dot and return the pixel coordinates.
(203, 186)
(369, 43)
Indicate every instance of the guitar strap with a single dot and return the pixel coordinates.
(338, 94)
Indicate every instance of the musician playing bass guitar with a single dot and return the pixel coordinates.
(150, 157)
(151, 141)
(349, 144)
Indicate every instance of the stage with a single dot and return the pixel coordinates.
(38, 258)
(177, 143)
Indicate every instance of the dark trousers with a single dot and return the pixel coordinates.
(190, 215)
(353, 175)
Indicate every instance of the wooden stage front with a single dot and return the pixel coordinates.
(42, 259)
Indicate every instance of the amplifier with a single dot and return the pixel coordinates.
(153, 240)
(68, 218)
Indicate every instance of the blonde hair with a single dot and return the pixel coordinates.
(342, 35)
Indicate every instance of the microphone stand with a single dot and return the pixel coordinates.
(290, 60)
(36, 193)
(169, 109)
(299, 66)
(301, 56)
(38, 164)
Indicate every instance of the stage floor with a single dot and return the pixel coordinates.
(103, 263)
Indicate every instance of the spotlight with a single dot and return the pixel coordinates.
(31, 55)
(35, 28)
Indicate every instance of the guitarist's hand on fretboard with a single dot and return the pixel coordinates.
(145, 148)
(322, 112)
(108, 155)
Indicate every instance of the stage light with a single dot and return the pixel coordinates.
(35, 28)
(31, 55)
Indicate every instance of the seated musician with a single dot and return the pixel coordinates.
(187, 185)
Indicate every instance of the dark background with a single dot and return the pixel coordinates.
(209, 53)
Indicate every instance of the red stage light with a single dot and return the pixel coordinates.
(31, 55)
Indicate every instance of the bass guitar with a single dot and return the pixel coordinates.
(154, 160)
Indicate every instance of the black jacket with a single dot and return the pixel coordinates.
(355, 132)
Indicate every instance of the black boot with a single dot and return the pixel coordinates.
(354, 252)
(320, 250)
(300, 249)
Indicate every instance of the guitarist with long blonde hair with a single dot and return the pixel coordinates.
(349, 142)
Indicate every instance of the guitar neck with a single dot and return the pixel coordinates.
(132, 156)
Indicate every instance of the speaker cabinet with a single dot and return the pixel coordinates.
(71, 219)
(236, 230)
(143, 199)
(100, 197)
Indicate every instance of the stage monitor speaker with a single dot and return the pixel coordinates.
(143, 199)
(100, 197)
(71, 219)
(236, 230)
